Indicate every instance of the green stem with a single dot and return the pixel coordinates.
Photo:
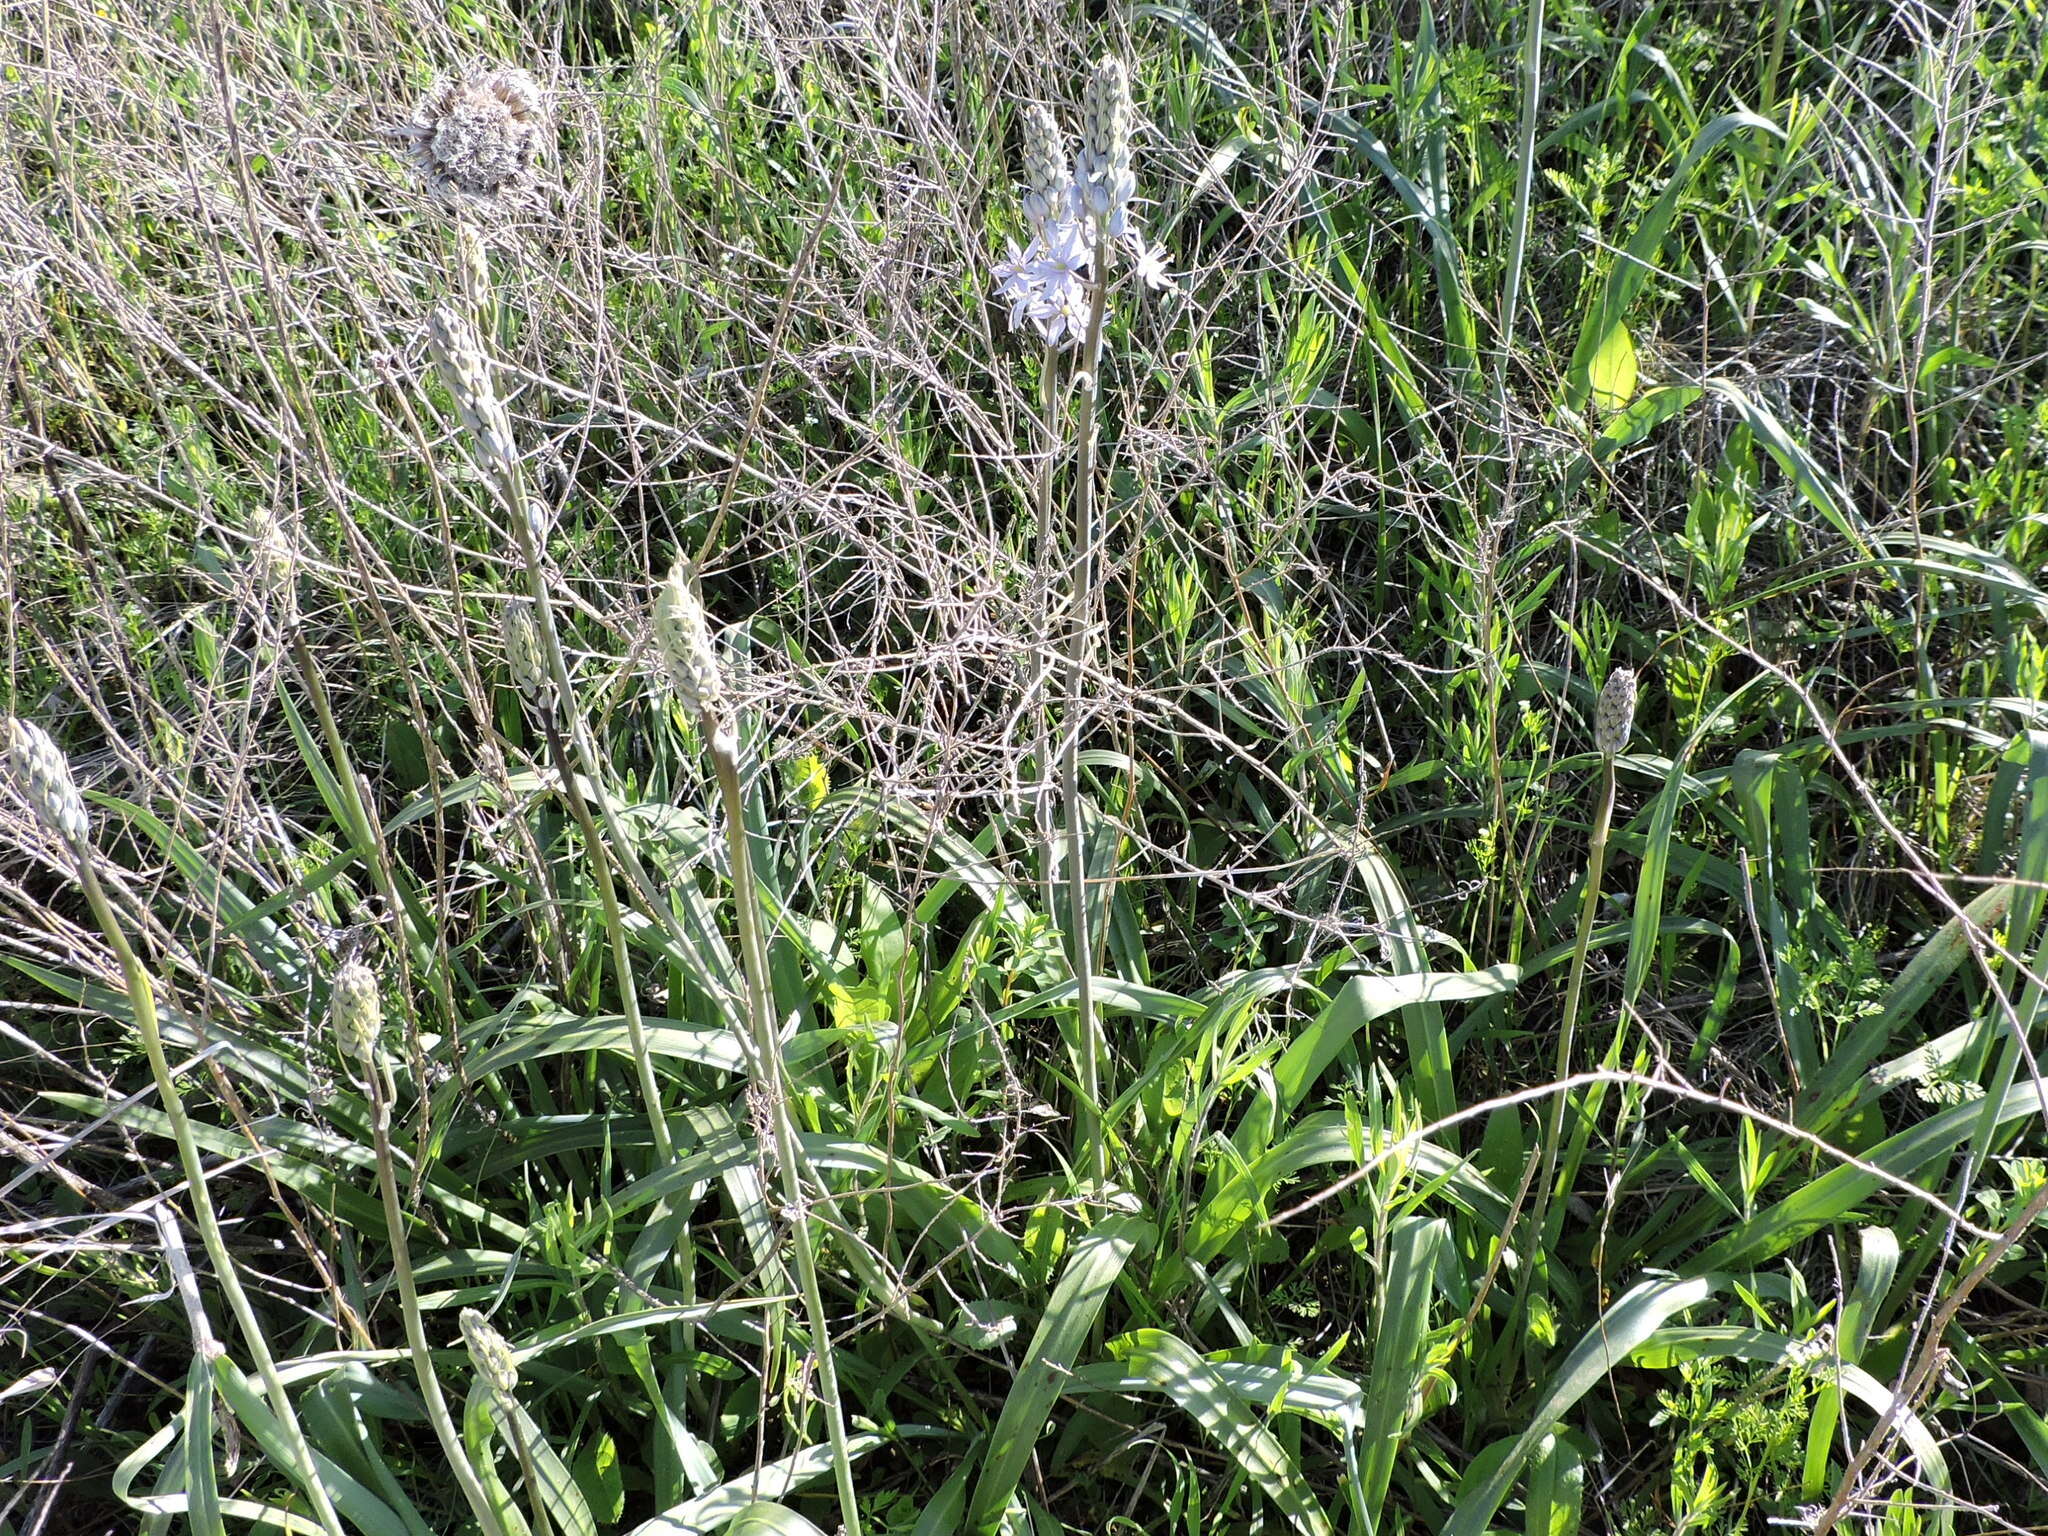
(142, 1002)
(1589, 906)
(409, 1306)
(768, 1066)
(1041, 748)
(615, 929)
(1088, 1121)
(535, 1493)
(1525, 176)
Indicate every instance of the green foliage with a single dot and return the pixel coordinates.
(1744, 392)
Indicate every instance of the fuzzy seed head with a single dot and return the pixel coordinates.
(476, 138)
(489, 1353)
(459, 356)
(1104, 163)
(523, 657)
(1614, 717)
(357, 1008)
(43, 776)
(683, 635)
(1048, 178)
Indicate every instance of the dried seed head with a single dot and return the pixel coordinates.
(489, 1353)
(523, 658)
(357, 1008)
(476, 138)
(44, 779)
(1104, 165)
(684, 637)
(1048, 178)
(459, 355)
(1614, 717)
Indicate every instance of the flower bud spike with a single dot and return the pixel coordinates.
(524, 658)
(459, 356)
(1048, 177)
(273, 565)
(1104, 165)
(1614, 716)
(43, 776)
(489, 1353)
(356, 1006)
(683, 635)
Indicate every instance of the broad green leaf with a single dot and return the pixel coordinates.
(362, 1509)
(1232, 1421)
(1366, 998)
(1400, 1344)
(725, 1504)
(1637, 261)
(1840, 1190)
(1611, 374)
(202, 1493)
(1642, 417)
(765, 1519)
(1557, 1488)
(1094, 1263)
(1633, 1318)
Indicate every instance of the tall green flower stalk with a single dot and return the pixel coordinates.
(459, 355)
(44, 778)
(1613, 719)
(1103, 170)
(1058, 285)
(683, 636)
(357, 1011)
(497, 1366)
(1049, 192)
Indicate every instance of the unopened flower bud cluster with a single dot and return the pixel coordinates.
(1614, 716)
(489, 1353)
(41, 774)
(683, 636)
(356, 1007)
(459, 355)
(524, 657)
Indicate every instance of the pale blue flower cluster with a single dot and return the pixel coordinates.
(1077, 211)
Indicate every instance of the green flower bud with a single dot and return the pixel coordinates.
(44, 779)
(1614, 717)
(356, 1007)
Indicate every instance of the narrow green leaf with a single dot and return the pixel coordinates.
(1400, 1343)
(1633, 1318)
(1097, 1259)
(1170, 1366)
(370, 1515)
(725, 1504)
(1815, 486)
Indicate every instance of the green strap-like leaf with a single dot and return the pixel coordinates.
(1097, 1259)
(726, 1503)
(1625, 1325)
